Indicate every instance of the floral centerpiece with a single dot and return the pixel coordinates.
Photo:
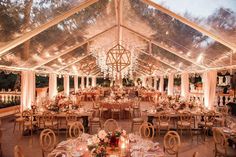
(61, 103)
(114, 137)
(99, 142)
(52, 106)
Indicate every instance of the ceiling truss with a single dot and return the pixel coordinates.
(119, 26)
(75, 47)
(43, 27)
(163, 47)
(191, 24)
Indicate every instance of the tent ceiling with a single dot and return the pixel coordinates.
(153, 34)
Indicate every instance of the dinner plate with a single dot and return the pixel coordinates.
(76, 154)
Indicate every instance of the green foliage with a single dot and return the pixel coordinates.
(41, 81)
(127, 82)
(7, 81)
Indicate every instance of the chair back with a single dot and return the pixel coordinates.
(76, 130)
(71, 117)
(96, 113)
(220, 140)
(186, 117)
(48, 116)
(47, 140)
(210, 116)
(96, 104)
(172, 143)
(110, 125)
(18, 151)
(164, 117)
(27, 115)
(136, 113)
(146, 130)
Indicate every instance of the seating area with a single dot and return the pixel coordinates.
(117, 78)
(177, 135)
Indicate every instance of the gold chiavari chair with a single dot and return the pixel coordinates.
(47, 141)
(71, 118)
(18, 151)
(95, 120)
(104, 112)
(221, 119)
(128, 110)
(172, 143)
(110, 125)
(185, 122)
(146, 130)
(221, 144)
(115, 110)
(49, 121)
(18, 120)
(28, 121)
(208, 123)
(163, 121)
(96, 105)
(76, 130)
(137, 118)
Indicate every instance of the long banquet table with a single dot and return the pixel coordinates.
(174, 116)
(137, 147)
(116, 104)
(61, 117)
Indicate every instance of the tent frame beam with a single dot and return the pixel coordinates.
(167, 64)
(162, 46)
(4, 49)
(74, 62)
(190, 24)
(154, 66)
(74, 47)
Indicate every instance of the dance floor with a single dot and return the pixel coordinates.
(31, 146)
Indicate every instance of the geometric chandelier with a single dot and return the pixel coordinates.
(118, 58)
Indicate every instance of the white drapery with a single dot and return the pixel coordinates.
(144, 82)
(184, 85)
(76, 84)
(171, 84)
(94, 81)
(82, 82)
(66, 85)
(149, 82)
(52, 85)
(161, 84)
(27, 89)
(209, 88)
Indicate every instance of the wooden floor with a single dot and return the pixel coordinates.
(31, 146)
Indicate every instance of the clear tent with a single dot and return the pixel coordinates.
(160, 41)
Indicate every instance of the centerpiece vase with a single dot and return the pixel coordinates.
(114, 141)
